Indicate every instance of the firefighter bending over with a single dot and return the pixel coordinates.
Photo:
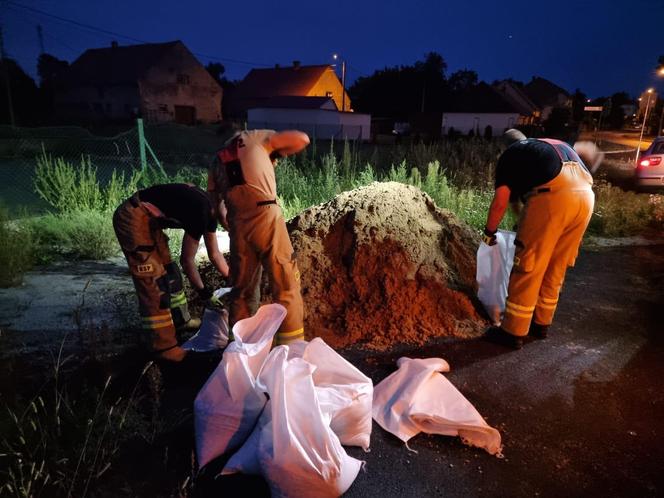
(555, 186)
(138, 224)
(244, 181)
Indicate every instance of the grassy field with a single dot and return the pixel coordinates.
(76, 198)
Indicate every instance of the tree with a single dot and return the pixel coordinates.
(24, 95)
(50, 70)
(400, 91)
(216, 70)
(579, 101)
(462, 80)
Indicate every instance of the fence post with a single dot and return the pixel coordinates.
(141, 143)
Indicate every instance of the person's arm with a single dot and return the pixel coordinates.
(222, 214)
(214, 254)
(501, 199)
(286, 143)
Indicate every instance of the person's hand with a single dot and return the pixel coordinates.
(489, 237)
(214, 302)
(207, 296)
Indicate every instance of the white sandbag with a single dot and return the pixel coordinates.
(494, 264)
(343, 392)
(417, 398)
(228, 405)
(213, 333)
(293, 445)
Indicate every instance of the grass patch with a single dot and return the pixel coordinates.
(619, 213)
(16, 250)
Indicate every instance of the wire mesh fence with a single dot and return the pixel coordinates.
(170, 147)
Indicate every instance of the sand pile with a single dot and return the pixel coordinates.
(382, 265)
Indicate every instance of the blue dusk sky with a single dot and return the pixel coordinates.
(598, 46)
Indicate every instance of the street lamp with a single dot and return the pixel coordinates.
(643, 126)
(343, 82)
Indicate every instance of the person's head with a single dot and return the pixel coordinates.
(511, 136)
(590, 154)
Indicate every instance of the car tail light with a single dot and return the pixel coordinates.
(651, 161)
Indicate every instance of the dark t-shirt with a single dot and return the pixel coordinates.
(525, 165)
(185, 207)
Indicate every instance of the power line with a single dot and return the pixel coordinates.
(90, 27)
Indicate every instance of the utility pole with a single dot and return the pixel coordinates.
(3, 62)
(343, 86)
(645, 118)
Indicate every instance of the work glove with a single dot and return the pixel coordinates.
(207, 296)
(489, 237)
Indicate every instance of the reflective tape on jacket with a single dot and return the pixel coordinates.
(157, 321)
(178, 299)
(290, 335)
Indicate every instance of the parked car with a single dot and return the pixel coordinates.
(650, 165)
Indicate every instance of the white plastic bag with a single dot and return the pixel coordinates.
(292, 445)
(494, 264)
(228, 405)
(417, 398)
(213, 333)
(343, 392)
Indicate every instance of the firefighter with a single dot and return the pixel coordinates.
(244, 181)
(138, 224)
(555, 187)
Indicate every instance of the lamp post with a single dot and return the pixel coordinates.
(643, 126)
(343, 82)
(661, 116)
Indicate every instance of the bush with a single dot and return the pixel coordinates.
(16, 250)
(75, 189)
(75, 235)
(619, 213)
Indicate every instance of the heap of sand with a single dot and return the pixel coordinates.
(382, 265)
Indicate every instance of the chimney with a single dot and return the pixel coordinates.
(296, 64)
(114, 44)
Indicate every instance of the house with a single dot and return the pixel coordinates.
(547, 96)
(480, 110)
(319, 117)
(261, 85)
(513, 92)
(161, 82)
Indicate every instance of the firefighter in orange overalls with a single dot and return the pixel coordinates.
(138, 224)
(245, 183)
(555, 187)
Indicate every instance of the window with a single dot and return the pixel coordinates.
(183, 79)
(163, 108)
(328, 94)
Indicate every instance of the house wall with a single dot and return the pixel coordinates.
(329, 82)
(317, 123)
(115, 103)
(178, 79)
(465, 122)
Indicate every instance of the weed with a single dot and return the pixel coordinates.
(16, 250)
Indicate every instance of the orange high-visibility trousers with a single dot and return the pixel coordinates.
(157, 279)
(551, 228)
(259, 239)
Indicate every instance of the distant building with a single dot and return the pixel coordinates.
(261, 85)
(480, 110)
(317, 116)
(547, 96)
(161, 82)
(514, 93)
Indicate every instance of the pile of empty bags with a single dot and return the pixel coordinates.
(285, 413)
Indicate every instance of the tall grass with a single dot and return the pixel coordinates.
(16, 250)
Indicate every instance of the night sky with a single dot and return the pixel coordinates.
(599, 46)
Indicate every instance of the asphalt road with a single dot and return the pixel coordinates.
(581, 413)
